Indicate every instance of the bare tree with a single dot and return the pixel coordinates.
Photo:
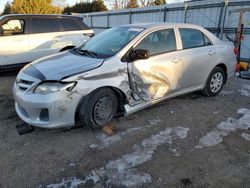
(118, 4)
(123, 4)
(132, 4)
(144, 3)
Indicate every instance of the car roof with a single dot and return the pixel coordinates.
(39, 15)
(158, 25)
(161, 24)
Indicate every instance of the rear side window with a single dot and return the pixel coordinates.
(73, 24)
(159, 42)
(12, 27)
(46, 25)
(192, 38)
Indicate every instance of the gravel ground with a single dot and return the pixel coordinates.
(189, 141)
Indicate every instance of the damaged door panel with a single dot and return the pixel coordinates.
(157, 76)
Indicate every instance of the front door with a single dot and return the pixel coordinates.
(13, 43)
(159, 75)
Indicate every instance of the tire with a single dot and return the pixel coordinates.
(215, 82)
(98, 108)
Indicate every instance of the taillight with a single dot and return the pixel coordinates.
(89, 34)
(236, 50)
(237, 67)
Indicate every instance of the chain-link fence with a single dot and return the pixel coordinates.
(215, 15)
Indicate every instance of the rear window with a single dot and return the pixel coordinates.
(192, 38)
(46, 25)
(73, 24)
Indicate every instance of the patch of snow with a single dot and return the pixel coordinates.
(211, 139)
(73, 182)
(72, 164)
(94, 146)
(143, 152)
(106, 140)
(246, 136)
(245, 90)
(225, 128)
(69, 182)
(154, 121)
(62, 169)
(122, 171)
(216, 112)
(242, 111)
(129, 178)
(176, 153)
(224, 93)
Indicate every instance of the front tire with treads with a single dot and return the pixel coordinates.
(98, 108)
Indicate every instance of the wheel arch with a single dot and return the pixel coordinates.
(121, 96)
(224, 67)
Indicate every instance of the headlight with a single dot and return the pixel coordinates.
(51, 87)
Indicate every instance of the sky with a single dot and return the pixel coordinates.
(2, 4)
(70, 2)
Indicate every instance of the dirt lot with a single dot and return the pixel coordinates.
(190, 141)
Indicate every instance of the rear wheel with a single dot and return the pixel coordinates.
(98, 108)
(215, 82)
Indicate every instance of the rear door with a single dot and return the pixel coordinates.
(47, 36)
(78, 32)
(198, 56)
(158, 76)
(13, 42)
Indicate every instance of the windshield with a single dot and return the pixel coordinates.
(111, 41)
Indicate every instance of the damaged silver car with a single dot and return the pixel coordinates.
(122, 70)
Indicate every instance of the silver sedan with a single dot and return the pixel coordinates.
(122, 70)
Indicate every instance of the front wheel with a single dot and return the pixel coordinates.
(215, 82)
(98, 108)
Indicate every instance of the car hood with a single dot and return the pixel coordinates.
(61, 65)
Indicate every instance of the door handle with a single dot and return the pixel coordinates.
(211, 52)
(176, 60)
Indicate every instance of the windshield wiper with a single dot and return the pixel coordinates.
(93, 54)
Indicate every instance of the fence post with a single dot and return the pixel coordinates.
(130, 16)
(91, 21)
(107, 20)
(224, 18)
(220, 18)
(185, 12)
(165, 14)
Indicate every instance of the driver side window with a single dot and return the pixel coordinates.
(12, 27)
(158, 42)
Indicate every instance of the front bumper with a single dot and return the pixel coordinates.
(53, 110)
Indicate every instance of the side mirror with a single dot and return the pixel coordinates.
(139, 54)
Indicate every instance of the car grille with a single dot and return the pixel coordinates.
(23, 85)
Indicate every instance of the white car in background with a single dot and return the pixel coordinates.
(123, 69)
(25, 38)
